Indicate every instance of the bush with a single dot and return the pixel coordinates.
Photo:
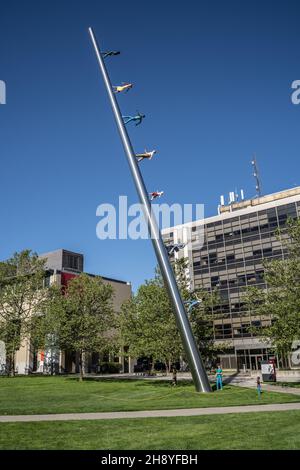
(110, 367)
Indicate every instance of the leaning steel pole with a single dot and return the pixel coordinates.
(196, 365)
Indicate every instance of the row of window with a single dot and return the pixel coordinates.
(229, 330)
(263, 220)
(268, 215)
(212, 259)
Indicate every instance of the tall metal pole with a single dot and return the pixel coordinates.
(197, 369)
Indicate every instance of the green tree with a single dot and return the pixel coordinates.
(147, 322)
(201, 315)
(201, 318)
(148, 325)
(45, 334)
(23, 297)
(279, 304)
(82, 318)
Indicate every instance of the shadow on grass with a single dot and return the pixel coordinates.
(146, 382)
(142, 382)
(229, 379)
(136, 382)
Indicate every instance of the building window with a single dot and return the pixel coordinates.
(215, 282)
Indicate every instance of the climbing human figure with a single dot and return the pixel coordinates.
(190, 304)
(219, 378)
(124, 87)
(109, 53)
(138, 118)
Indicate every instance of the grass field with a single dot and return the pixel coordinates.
(277, 430)
(38, 395)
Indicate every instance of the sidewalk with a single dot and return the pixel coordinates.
(152, 413)
(250, 382)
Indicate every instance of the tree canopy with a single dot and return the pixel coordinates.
(23, 297)
(82, 317)
(147, 321)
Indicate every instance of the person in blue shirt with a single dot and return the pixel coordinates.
(219, 376)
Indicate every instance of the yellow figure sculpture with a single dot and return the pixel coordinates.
(124, 87)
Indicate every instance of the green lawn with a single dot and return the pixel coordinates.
(278, 430)
(38, 395)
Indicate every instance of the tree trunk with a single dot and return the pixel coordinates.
(81, 366)
(12, 365)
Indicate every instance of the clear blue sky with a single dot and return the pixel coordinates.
(213, 79)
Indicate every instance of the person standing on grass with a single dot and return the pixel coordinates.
(219, 378)
(258, 387)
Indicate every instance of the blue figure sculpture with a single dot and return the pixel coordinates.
(191, 304)
(109, 53)
(219, 377)
(176, 247)
(138, 118)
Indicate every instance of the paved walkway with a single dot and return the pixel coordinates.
(152, 413)
(250, 382)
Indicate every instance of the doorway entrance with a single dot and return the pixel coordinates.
(250, 359)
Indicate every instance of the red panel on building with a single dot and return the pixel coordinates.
(66, 277)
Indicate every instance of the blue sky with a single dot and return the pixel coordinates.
(213, 78)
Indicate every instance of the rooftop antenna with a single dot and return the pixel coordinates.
(256, 176)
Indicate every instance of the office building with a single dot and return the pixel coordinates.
(226, 253)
